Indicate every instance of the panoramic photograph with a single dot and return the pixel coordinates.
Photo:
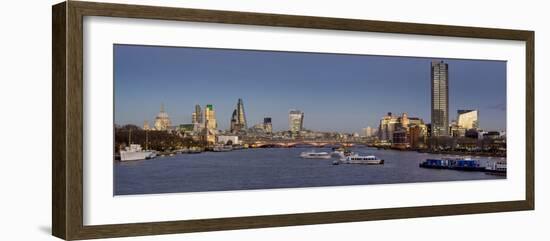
(192, 119)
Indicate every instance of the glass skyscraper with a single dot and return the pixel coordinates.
(238, 118)
(440, 98)
(296, 121)
(240, 114)
(197, 115)
(268, 127)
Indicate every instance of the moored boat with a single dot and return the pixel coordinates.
(454, 164)
(195, 150)
(435, 164)
(238, 147)
(496, 168)
(134, 152)
(315, 155)
(358, 159)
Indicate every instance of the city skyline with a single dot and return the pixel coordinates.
(337, 93)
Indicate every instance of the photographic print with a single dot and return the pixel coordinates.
(173, 120)
(192, 119)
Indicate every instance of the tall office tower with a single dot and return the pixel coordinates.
(296, 121)
(238, 118)
(268, 127)
(210, 124)
(210, 117)
(162, 121)
(468, 119)
(440, 98)
(197, 115)
(233, 124)
(241, 118)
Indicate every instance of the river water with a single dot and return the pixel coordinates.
(275, 168)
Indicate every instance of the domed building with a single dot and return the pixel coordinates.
(162, 121)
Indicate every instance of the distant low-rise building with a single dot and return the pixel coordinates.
(229, 140)
(186, 128)
(369, 132)
(417, 136)
(389, 124)
(400, 139)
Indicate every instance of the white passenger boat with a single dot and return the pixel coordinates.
(134, 152)
(358, 159)
(315, 155)
(496, 168)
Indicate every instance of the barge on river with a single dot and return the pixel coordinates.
(461, 164)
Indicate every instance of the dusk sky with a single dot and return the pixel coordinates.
(336, 92)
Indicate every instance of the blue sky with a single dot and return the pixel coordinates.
(336, 92)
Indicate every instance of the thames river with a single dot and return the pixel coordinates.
(265, 168)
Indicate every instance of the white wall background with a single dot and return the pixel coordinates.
(25, 119)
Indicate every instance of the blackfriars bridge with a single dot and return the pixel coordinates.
(302, 143)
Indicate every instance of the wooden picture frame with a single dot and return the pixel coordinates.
(67, 124)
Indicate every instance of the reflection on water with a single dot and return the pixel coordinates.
(275, 168)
